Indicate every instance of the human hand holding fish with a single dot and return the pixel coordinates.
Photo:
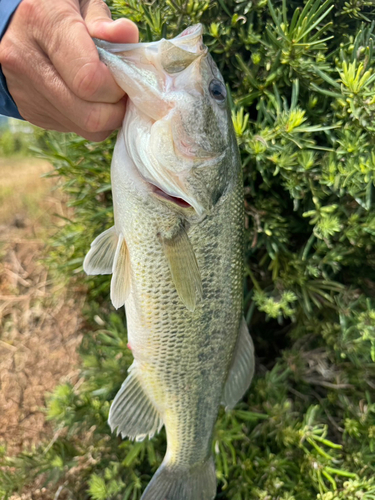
(52, 67)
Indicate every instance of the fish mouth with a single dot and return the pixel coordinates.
(174, 199)
(161, 193)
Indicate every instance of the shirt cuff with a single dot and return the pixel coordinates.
(7, 105)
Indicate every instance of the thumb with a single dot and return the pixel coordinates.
(97, 17)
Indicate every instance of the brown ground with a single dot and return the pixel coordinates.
(39, 323)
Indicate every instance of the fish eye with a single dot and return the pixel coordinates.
(218, 91)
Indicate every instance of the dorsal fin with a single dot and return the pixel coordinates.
(242, 368)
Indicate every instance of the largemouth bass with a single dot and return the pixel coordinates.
(176, 256)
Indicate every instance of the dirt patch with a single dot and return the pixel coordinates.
(39, 323)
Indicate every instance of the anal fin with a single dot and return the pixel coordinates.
(242, 369)
(132, 413)
(99, 259)
(184, 268)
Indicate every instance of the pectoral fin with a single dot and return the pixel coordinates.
(184, 268)
(242, 369)
(99, 259)
(120, 283)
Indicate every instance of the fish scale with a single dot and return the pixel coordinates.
(176, 255)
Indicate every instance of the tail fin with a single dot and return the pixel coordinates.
(174, 483)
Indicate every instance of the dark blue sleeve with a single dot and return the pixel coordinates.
(7, 105)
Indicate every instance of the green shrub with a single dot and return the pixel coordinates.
(17, 137)
(303, 101)
(10, 143)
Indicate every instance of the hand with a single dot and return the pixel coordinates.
(52, 67)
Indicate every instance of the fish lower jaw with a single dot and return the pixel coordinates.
(189, 209)
(177, 201)
(173, 199)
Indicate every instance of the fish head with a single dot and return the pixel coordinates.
(178, 127)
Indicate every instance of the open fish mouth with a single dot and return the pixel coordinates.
(166, 196)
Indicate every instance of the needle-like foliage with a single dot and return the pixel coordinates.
(302, 91)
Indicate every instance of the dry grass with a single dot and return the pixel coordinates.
(39, 324)
(22, 188)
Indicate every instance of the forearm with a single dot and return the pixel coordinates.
(7, 105)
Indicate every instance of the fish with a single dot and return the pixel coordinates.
(175, 253)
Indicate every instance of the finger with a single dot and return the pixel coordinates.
(119, 31)
(50, 98)
(98, 20)
(51, 118)
(69, 46)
